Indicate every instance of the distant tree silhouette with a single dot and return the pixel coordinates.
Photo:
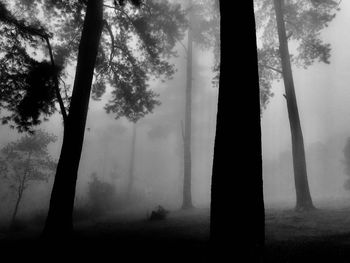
(203, 31)
(101, 195)
(27, 160)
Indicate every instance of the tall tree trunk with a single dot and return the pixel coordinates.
(187, 193)
(132, 162)
(59, 220)
(237, 208)
(303, 197)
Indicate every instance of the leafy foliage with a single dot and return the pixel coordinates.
(137, 41)
(26, 84)
(304, 21)
(27, 160)
(205, 24)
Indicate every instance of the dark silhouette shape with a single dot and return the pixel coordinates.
(130, 99)
(159, 214)
(237, 209)
(59, 219)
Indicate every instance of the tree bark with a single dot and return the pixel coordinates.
(59, 220)
(237, 208)
(187, 193)
(303, 197)
(132, 163)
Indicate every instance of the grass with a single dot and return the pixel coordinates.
(322, 235)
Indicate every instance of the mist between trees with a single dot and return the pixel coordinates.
(128, 89)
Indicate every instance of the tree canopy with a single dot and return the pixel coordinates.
(27, 160)
(137, 40)
(304, 21)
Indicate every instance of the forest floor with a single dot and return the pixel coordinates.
(183, 234)
(322, 235)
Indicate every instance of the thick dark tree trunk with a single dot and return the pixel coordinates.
(303, 197)
(132, 163)
(187, 191)
(59, 220)
(237, 209)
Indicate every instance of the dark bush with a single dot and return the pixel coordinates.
(159, 214)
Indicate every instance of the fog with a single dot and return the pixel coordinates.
(158, 163)
(323, 97)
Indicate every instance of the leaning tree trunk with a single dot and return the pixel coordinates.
(19, 198)
(187, 194)
(59, 219)
(132, 163)
(303, 197)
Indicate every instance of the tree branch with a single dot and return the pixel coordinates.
(109, 29)
(272, 68)
(57, 89)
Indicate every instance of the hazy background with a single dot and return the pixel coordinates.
(323, 96)
(158, 160)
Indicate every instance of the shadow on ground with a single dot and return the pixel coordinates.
(182, 237)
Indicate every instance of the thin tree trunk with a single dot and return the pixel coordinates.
(19, 197)
(187, 193)
(132, 163)
(303, 197)
(21, 188)
(59, 220)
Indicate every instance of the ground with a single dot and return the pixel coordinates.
(182, 235)
(322, 235)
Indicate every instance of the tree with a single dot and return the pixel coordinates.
(27, 160)
(237, 208)
(153, 27)
(204, 31)
(101, 195)
(300, 22)
(132, 162)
